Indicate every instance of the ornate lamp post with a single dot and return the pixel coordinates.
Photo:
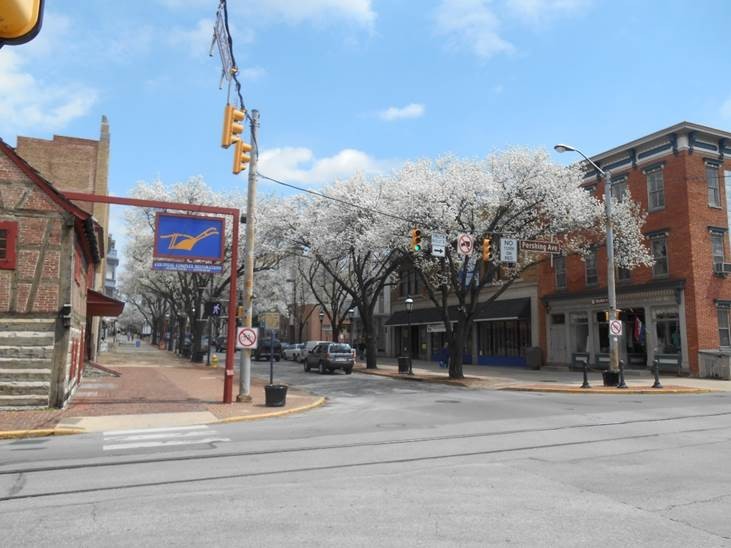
(351, 313)
(409, 302)
(322, 317)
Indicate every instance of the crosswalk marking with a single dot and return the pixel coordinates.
(160, 437)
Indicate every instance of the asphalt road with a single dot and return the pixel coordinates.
(392, 463)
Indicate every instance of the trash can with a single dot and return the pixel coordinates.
(404, 362)
(610, 378)
(533, 357)
(275, 395)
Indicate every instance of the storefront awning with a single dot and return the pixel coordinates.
(98, 304)
(512, 309)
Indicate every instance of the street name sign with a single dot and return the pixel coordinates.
(438, 245)
(247, 337)
(508, 250)
(465, 244)
(540, 247)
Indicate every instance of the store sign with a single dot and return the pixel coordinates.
(189, 237)
(436, 328)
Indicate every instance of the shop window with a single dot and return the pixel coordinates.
(603, 328)
(724, 333)
(660, 254)
(503, 337)
(655, 189)
(8, 238)
(714, 190)
(667, 327)
(592, 277)
(559, 265)
(579, 332)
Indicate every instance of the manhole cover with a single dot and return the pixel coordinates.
(447, 401)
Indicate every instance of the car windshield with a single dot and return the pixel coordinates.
(339, 348)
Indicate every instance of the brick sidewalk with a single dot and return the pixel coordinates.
(152, 381)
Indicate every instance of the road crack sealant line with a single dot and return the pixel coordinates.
(232, 454)
(323, 468)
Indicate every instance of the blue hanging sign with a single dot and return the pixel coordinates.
(189, 237)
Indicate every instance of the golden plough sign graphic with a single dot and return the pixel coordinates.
(189, 237)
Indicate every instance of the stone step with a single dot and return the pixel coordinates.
(25, 363)
(27, 338)
(27, 324)
(13, 375)
(11, 403)
(25, 388)
(7, 351)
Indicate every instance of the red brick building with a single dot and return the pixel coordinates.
(678, 308)
(50, 250)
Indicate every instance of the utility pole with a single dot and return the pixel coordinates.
(245, 365)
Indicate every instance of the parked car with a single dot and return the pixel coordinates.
(329, 357)
(307, 348)
(293, 352)
(266, 348)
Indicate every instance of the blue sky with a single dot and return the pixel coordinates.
(364, 84)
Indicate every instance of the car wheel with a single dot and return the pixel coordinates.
(348, 370)
(322, 368)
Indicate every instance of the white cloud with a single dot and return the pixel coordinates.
(196, 40)
(726, 109)
(471, 25)
(541, 11)
(413, 110)
(319, 11)
(30, 105)
(252, 73)
(298, 164)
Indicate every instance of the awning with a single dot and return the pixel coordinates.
(98, 304)
(511, 309)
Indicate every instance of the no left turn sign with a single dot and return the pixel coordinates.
(247, 337)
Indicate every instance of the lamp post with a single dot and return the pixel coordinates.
(322, 317)
(351, 313)
(612, 294)
(409, 302)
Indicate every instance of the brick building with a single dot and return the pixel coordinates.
(50, 251)
(678, 308)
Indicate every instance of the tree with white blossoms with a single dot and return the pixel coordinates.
(355, 245)
(519, 194)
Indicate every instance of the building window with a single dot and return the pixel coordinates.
(579, 332)
(724, 334)
(8, 237)
(559, 264)
(660, 254)
(591, 274)
(717, 248)
(655, 189)
(714, 190)
(623, 274)
(619, 188)
(668, 332)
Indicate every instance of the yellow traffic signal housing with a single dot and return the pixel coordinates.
(487, 249)
(241, 156)
(20, 20)
(231, 126)
(415, 239)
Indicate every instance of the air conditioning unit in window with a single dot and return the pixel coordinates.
(722, 269)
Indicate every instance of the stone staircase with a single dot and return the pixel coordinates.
(26, 361)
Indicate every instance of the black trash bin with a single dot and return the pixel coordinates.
(275, 395)
(404, 363)
(611, 378)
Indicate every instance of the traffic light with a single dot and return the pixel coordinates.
(241, 156)
(487, 249)
(415, 239)
(231, 126)
(20, 21)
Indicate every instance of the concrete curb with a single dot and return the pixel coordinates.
(243, 418)
(39, 433)
(611, 390)
(416, 378)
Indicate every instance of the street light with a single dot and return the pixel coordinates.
(322, 317)
(612, 296)
(351, 313)
(409, 302)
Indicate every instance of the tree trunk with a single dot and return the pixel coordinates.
(370, 341)
(456, 345)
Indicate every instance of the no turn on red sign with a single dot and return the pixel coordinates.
(247, 337)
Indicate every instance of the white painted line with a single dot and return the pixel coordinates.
(150, 430)
(148, 444)
(81, 392)
(158, 436)
(97, 385)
